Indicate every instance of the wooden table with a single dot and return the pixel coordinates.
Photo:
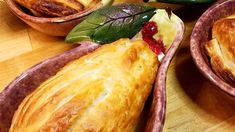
(192, 103)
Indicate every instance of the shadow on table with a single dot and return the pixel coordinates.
(201, 92)
(198, 89)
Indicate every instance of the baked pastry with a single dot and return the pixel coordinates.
(221, 49)
(56, 8)
(102, 91)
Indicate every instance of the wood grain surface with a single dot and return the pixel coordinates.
(193, 104)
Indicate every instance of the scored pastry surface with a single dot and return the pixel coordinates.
(102, 91)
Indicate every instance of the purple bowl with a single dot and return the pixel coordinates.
(201, 35)
(28, 81)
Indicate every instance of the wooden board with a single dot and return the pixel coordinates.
(192, 103)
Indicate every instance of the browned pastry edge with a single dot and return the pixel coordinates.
(53, 8)
(222, 32)
(16, 91)
(56, 8)
(221, 37)
(223, 72)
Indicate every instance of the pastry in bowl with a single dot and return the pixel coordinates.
(54, 17)
(98, 87)
(58, 8)
(102, 91)
(221, 49)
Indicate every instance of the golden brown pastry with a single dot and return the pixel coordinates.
(56, 8)
(102, 91)
(221, 48)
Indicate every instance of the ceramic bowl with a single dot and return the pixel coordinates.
(58, 26)
(153, 116)
(200, 36)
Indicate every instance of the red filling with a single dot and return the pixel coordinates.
(148, 31)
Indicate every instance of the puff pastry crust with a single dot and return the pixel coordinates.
(102, 91)
(56, 8)
(221, 49)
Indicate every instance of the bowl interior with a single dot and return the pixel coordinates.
(202, 33)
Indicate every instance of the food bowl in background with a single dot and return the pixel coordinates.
(57, 26)
(201, 35)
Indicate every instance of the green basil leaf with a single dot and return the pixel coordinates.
(108, 24)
